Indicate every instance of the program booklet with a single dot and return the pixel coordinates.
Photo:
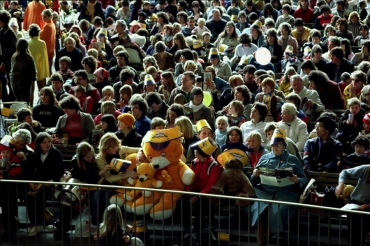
(207, 81)
(351, 206)
(276, 177)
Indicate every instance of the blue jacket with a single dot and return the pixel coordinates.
(221, 84)
(142, 125)
(327, 154)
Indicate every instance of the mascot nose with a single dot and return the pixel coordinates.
(156, 166)
(141, 179)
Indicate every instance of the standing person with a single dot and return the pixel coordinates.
(39, 53)
(8, 42)
(33, 14)
(48, 35)
(23, 72)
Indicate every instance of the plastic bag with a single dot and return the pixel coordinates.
(82, 228)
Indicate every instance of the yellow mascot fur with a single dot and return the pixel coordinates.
(163, 148)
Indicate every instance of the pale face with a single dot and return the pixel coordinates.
(266, 89)
(150, 88)
(197, 99)
(253, 143)
(45, 145)
(46, 17)
(191, 23)
(216, 15)
(354, 109)
(103, 125)
(357, 83)
(255, 114)
(277, 148)
(315, 40)
(89, 157)
(229, 29)
(121, 61)
(270, 39)
(155, 107)
(28, 119)
(63, 66)
(312, 85)
(70, 45)
(286, 117)
(19, 144)
(234, 137)
(113, 149)
(297, 85)
(238, 96)
(136, 112)
(107, 94)
(365, 50)
(57, 85)
(204, 133)
(120, 28)
(122, 126)
(186, 82)
(269, 134)
(366, 127)
(232, 111)
(221, 125)
(44, 98)
(6, 154)
(214, 61)
(81, 81)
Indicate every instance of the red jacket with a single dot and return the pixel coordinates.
(307, 18)
(206, 174)
(92, 92)
(86, 103)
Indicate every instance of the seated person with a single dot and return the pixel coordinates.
(64, 68)
(127, 132)
(350, 123)
(157, 123)
(222, 125)
(11, 167)
(358, 158)
(322, 153)
(25, 115)
(77, 125)
(255, 149)
(57, 82)
(107, 107)
(296, 100)
(86, 103)
(333, 116)
(101, 79)
(234, 140)
(107, 95)
(203, 131)
(47, 113)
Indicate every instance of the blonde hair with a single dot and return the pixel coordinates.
(200, 20)
(108, 88)
(117, 49)
(112, 221)
(190, 63)
(151, 69)
(93, 52)
(365, 90)
(108, 140)
(256, 135)
(108, 107)
(186, 127)
(224, 118)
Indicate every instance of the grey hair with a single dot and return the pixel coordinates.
(289, 108)
(23, 135)
(296, 76)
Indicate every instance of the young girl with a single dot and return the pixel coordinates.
(269, 98)
(234, 139)
(157, 123)
(200, 29)
(354, 23)
(222, 126)
(108, 123)
(168, 35)
(180, 99)
(350, 123)
(358, 158)
(112, 230)
(236, 109)
(167, 85)
(86, 102)
(284, 85)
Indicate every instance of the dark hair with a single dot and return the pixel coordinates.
(65, 59)
(187, 54)
(5, 17)
(244, 38)
(329, 123)
(143, 105)
(21, 50)
(160, 47)
(272, 32)
(56, 77)
(34, 30)
(297, 101)
(195, 92)
(48, 91)
(23, 113)
(82, 73)
(82, 149)
(234, 34)
(164, 16)
(319, 78)
(39, 139)
(361, 140)
(249, 69)
(124, 54)
(178, 108)
(337, 52)
(126, 74)
(70, 102)
(98, 20)
(262, 109)
(191, 75)
(285, 7)
(111, 121)
(347, 44)
(308, 64)
(153, 97)
(324, 8)
(237, 129)
(183, 4)
(91, 62)
(245, 93)
(298, 22)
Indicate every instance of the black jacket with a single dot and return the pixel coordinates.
(162, 112)
(133, 139)
(47, 115)
(90, 175)
(7, 44)
(76, 57)
(345, 66)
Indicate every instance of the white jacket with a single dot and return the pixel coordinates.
(297, 131)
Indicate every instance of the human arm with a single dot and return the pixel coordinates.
(125, 150)
(89, 126)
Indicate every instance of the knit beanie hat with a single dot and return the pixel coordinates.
(110, 9)
(128, 119)
(101, 73)
(366, 119)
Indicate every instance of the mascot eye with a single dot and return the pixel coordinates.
(146, 174)
(163, 155)
(150, 157)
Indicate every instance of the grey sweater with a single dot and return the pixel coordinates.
(361, 193)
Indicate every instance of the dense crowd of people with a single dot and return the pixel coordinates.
(124, 68)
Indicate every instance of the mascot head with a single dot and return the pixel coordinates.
(162, 147)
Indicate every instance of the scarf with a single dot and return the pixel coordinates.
(195, 108)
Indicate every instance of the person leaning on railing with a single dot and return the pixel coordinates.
(109, 148)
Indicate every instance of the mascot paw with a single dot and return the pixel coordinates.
(161, 215)
(141, 210)
(217, 190)
(117, 199)
(188, 177)
(147, 193)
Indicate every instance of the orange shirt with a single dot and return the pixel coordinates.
(33, 15)
(48, 34)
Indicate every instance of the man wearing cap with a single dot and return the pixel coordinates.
(322, 153)
(157, 107)
(126, 131)
(187, 84)
(311, 103)
(222, 68)
(139, 108)
(122, 61)
(82, 79)
(203, 131)
(216, 25)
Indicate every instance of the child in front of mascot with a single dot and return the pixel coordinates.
(207, 171)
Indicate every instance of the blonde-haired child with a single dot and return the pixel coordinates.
(112, 231)
(200, 29)
(221, 129)
(236, 109)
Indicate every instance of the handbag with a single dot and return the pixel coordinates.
(317, 199)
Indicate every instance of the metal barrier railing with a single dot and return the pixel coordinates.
(214, 220)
